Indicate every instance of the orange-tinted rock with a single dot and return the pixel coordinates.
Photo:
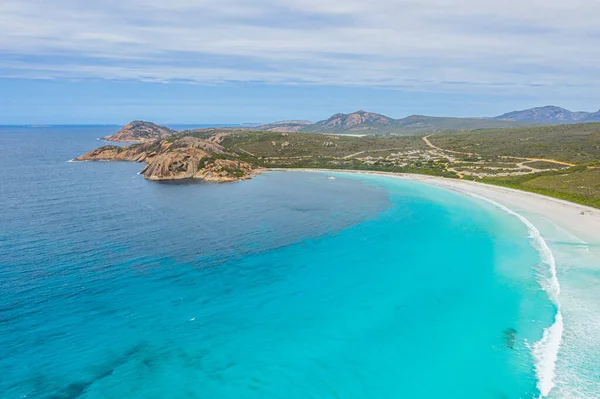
(183, 158)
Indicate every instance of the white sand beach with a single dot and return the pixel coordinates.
(580, 220)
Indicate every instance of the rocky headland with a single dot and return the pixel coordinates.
(179, 158)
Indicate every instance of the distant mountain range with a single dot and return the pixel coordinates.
(549, 114)
(370, 123)
(363, 122)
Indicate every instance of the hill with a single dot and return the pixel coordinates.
(548, 114)
(140, 131)
(595, 117)
(577, 143)
(370, 123)
(417, 124)
(356, 121)
(296, 122)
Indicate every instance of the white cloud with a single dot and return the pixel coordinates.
(452, 45)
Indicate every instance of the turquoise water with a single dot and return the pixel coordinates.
(291, 285)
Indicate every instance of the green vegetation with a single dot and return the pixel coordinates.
(304, 150)
(543, 165)
(491, 171)
(577, 184)
(376, 154)
(237, 172)
(274, 144)
(489, 164)
(520, 158)
(577, 144)
(199, 133)
(500, 157)
(493, 154)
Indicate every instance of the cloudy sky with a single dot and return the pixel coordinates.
(210, 61)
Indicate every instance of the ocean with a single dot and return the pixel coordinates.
(289, 285)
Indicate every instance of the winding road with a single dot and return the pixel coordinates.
(426, 140)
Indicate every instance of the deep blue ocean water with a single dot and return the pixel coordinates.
(290, 285)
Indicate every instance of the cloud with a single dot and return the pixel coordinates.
(449, 45)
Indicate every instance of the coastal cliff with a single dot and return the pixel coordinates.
(178, 159)
(140, 131)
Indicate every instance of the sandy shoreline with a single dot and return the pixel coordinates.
(566, 215)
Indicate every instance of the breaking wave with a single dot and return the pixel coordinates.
(545, 351)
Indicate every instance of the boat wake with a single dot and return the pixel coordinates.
(545, 351)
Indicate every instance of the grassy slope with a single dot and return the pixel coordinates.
(273, 144)
(579, 185)
(578, 144)
(306, 150)
(569, 143)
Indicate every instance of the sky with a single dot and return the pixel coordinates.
(235, 61)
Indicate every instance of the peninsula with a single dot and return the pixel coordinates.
(179, 158)
(561, 161)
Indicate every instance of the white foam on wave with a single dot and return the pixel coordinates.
(545, 351)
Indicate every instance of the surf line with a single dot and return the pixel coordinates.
(545, 351)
